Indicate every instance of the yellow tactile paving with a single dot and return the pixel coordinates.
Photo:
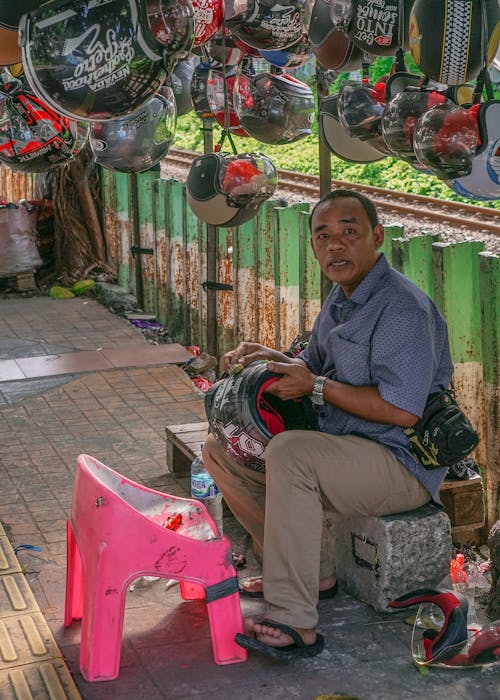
(31, 664)
(16, 596)
(9, 563)
(50, 680)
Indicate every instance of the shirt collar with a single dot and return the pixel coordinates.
(364, 290)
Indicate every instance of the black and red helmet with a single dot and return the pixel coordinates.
(360, 108)
(274, 109)
(33, 137)
(243, 417)
(220, 85)
(446, 138)
(172, 24)
(228, 190)
(198, 90)
(265, 24)
(138, 141)
(90, 60)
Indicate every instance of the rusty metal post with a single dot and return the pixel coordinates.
(136, 231)
(208, 147)
(325, 161)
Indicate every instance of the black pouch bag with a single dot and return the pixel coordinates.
(444, 434)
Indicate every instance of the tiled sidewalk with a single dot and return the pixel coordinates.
(119, 416)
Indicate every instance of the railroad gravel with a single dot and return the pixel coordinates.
(413, 226)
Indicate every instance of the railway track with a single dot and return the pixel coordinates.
(474, 219)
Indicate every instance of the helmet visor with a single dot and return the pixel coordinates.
(247, 177)
(445, 140)
(361, 107)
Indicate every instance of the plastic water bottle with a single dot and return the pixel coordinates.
(205, 490)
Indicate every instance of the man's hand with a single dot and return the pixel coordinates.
(246, 353)
(296, 380)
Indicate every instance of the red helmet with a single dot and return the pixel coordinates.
(228, 190)
(220, 90)
(361, 107)
(446, 139)
(33, 137)
(274, 109)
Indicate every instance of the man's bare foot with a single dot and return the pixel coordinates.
(275, 637)
(255, 584)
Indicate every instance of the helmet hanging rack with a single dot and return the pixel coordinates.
(226, 132)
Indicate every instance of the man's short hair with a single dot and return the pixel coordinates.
(366, 203)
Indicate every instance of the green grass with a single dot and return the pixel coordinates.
(302, 156)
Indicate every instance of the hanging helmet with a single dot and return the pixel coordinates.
(91, 60)
(244, 418)
(274, 109)
(331, 47)
(224, 51)
(34, 138)
(361, 107)
(180, 82)
(198, 91)
(445, 140)
(172, 24)
(292, 57)
(138, 141)
(220, 100)
(11, 12)
(226, 190)
(378, 28)
(265, 24)
(449, 41)
(483, 182)
(406, 102)
(208, 15)
(335, 137)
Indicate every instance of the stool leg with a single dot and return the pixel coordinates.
(74, 579)
(225, 619)
(102, 622)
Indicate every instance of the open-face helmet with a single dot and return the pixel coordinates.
(331, 47)
(227, 190)
(406, 102)
(377, 28)
(138, 141)
(220, 86)
(90, 60)
(266, 24)
(361, 107)
(274, 109)
(335, 137)
(483, 181)
(445, 140)
(243, 417)
(450, 41)
(172, 24)
(33, 137)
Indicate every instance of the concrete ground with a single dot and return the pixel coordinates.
(118, 415)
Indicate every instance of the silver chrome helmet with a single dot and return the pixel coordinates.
(138, 141)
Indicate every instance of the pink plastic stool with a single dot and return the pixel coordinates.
(116, 533)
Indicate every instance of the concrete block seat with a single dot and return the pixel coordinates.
(379, 559)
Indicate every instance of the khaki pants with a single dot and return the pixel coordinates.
(307, 472)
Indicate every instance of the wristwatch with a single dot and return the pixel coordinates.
(317, 392)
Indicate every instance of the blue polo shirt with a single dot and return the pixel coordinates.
(388, 334)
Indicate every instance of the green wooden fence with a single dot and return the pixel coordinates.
(275, 286)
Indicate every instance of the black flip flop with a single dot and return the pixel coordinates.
(297, 650)
(323, 595)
